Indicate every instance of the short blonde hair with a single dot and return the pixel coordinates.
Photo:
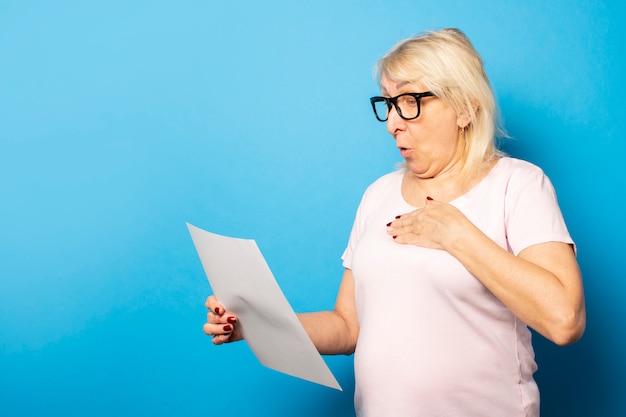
(446, 63)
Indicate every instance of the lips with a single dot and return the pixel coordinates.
(405, 152)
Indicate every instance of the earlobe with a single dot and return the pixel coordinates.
(465, 118)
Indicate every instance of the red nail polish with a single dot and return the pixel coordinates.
(232, 320)
(388, 224)
(217, 310)
(394, 237)
(397, 217)
(429, 198)
(228, 328)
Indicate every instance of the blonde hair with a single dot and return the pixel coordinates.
(446, 63)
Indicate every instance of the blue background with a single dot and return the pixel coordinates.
(122, 120)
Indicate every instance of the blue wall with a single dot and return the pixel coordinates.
(122, 120)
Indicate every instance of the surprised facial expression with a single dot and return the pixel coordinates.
(431, 144)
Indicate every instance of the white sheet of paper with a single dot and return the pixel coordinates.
(242, 281)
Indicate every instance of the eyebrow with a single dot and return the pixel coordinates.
(399, 85)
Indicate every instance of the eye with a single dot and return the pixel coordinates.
(408, 101)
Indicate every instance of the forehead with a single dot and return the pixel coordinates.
(394, 87)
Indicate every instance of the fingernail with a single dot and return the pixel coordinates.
(388, 224)
(429, 198)
(217, 310)
(397, 217)
(232, 320)
(228, 328)
(394, 237)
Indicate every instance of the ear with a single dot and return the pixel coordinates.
(463, 120)
(466, 116)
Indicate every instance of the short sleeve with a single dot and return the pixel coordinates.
(377, 192)
(355, 233)
(532, 212)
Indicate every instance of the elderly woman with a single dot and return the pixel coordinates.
(451, 258)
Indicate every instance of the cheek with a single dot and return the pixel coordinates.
(444, 128)
(436, 140)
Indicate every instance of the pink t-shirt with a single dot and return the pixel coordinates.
(433, 340)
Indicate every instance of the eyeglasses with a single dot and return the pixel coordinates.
(408, 105)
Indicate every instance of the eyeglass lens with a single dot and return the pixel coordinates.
(407, 105)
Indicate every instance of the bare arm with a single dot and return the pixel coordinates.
(332, 332)
(542, 286)
(335, 332)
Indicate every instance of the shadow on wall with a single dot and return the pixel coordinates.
(575, 381)
(580, 380)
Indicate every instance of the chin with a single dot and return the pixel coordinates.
(414, 168)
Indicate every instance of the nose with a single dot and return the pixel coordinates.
(395, 123)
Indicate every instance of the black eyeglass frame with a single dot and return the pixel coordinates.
(394, 100)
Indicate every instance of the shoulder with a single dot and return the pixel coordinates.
(384, 183)
(391, 177)
(526, 181)
(382, 189)
(519, 167)
(519, 174)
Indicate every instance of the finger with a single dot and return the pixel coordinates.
(402, 224)
(393, 228)
(397, 222)
(213, 305)
(225, 318)
(221, 334)
(218, 329)
(221, 339)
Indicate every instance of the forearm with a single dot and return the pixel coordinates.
(330, 332)
(545, 293)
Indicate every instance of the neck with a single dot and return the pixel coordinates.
(445, 186)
